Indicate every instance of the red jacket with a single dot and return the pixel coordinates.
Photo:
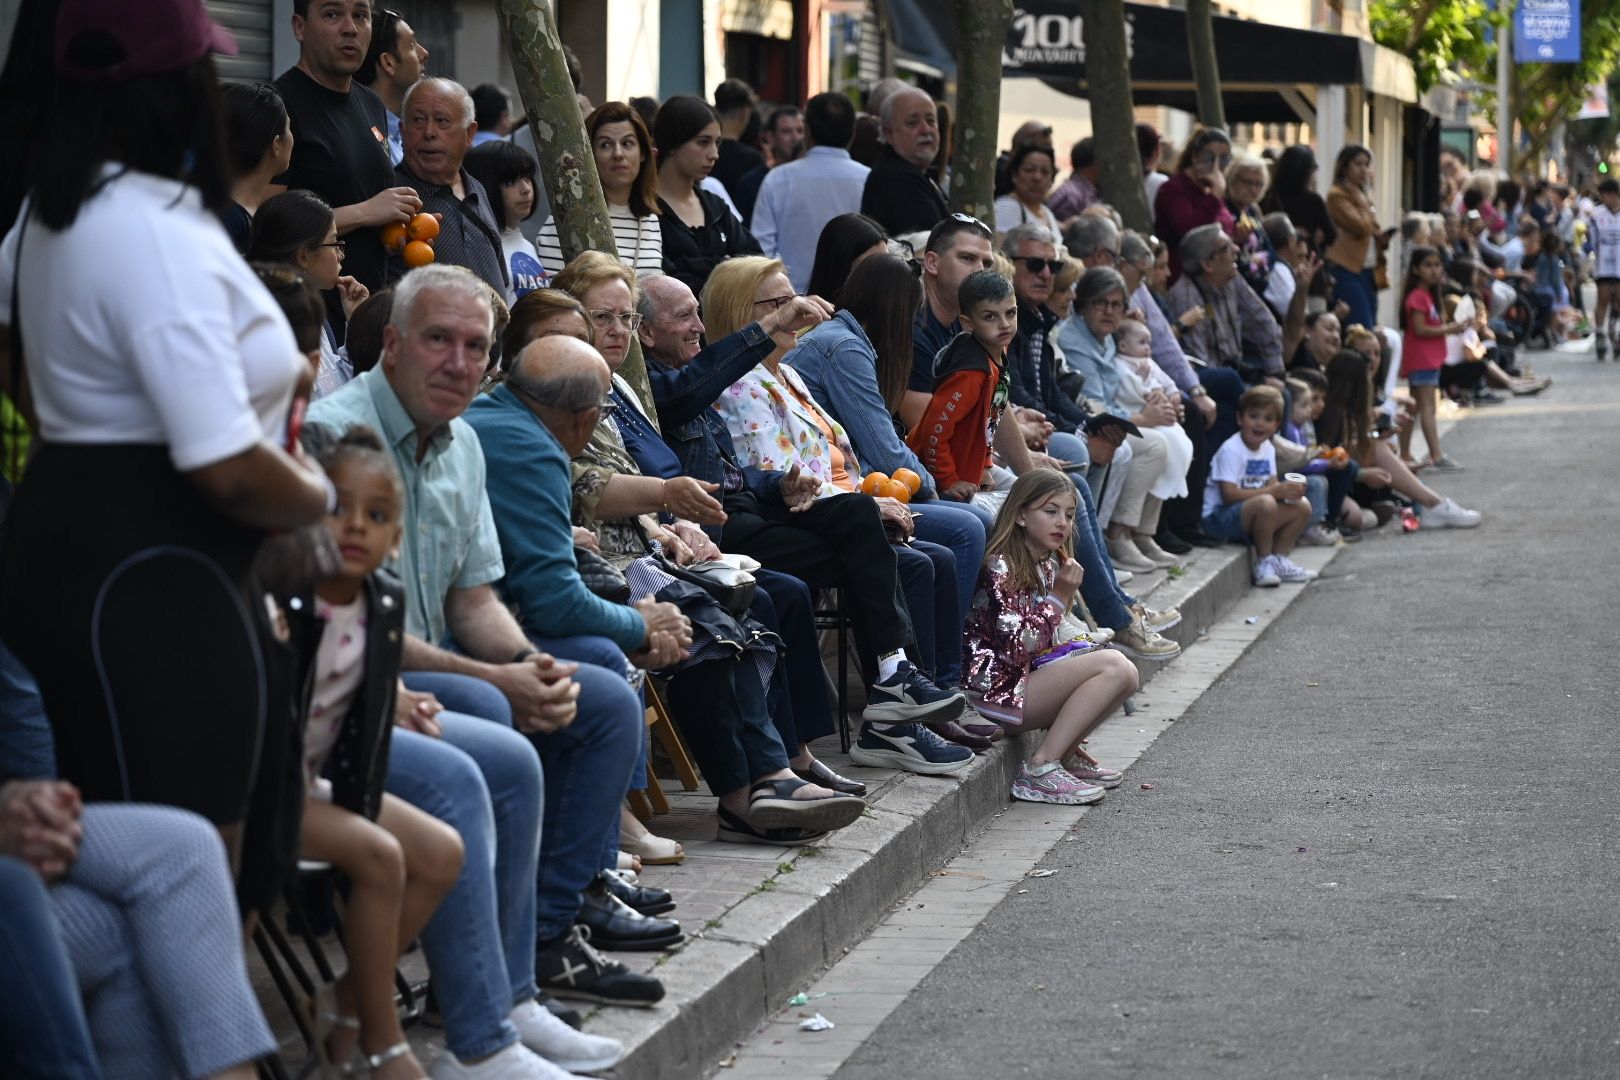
(953, 437)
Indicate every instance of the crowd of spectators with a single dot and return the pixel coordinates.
(373, 563)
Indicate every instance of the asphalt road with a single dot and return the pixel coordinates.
(1382, 845)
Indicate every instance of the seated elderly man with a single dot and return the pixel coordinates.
(463, 646)
(550, 409)
(774, 516)
(436, 120)
(1239, 332)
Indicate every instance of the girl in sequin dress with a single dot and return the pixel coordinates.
(1022, 665)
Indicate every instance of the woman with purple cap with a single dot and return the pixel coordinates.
(160, 379)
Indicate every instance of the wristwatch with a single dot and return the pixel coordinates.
(1198, 391)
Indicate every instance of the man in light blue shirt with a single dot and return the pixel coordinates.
(797, 199)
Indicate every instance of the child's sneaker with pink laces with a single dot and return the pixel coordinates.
(1049, 783)
(1083, 770)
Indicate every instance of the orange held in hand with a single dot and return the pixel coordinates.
(423, 227)
(873, 481)
(392, 236)
(909, 478)
(418, 253)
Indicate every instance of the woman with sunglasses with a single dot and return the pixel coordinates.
(1195, 194)
(297, 228)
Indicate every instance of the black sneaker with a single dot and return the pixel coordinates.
(911, 747)
(908, 696)
(568, 967)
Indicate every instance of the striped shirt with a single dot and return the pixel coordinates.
(640, 242)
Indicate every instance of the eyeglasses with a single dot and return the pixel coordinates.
(604, 320)
(607, 407)
(1035, 264)
(776, 302)
(1108, 305)
(342, 247)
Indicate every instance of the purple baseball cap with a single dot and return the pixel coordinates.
(152, 35)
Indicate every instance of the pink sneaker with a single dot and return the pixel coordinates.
(1049, 783)
(1081, 769)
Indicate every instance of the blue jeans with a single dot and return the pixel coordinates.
(1357, 289)
(1102, 594)
(928, 578)
(588, 768)
(43, 1031)
(26, 749)
(962, 528)
(484, 780)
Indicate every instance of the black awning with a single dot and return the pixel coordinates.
(1045, 42)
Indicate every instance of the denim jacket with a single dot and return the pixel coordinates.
(685, 397)
(839, 365)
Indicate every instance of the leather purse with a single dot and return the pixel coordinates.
(731, 587)
(601, 576)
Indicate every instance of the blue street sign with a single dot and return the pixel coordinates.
(1547, 32)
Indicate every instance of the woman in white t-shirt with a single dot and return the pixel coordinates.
(625, 162)
(162, 376)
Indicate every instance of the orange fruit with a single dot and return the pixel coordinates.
(418, 253)
(894, 489)
(423, 227)
(392, 236)
(909, 478)
(873, 481)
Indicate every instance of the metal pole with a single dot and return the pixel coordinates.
(1504, 94)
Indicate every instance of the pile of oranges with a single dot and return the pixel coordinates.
(902, 485)
(1337, 454)
(412, 240)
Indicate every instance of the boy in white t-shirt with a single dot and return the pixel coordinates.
(1244, 500)
(1605, 225)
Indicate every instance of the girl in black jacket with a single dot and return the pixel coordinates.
(348, 634)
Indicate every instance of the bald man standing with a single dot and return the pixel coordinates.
(899, 193)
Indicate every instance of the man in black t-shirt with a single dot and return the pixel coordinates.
(340, 132)
(734, 103)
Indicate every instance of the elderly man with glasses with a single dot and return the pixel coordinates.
(1239, 331)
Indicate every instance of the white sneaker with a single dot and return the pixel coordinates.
(562, 1045)
(1290, 571)
(1446, 514)
(1121, 576)
(1319, 535)
(516, 1062)
(1265, 572)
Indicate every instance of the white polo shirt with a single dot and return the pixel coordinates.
(141, 324)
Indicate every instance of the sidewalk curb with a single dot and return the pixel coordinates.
(740, 969)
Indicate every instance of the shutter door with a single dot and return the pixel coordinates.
(249, 22)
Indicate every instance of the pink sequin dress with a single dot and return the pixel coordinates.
(1006, 629)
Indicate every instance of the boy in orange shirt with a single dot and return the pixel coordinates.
(954, 436)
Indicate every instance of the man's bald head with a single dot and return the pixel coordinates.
(671, 327)
(564, 380)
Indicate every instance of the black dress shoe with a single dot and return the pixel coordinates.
(562, 1012)
(569, 967)
(1197, 537)
(616, 925)
(1172, 543)
(646, 900)
(951, 731)
(820, 773)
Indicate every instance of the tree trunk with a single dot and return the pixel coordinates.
(981, 30)
(1113, 120)
(1206, 71)
(567, 166)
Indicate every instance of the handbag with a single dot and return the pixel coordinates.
(731, 587)
(601, 577)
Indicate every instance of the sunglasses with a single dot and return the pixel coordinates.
(1035, 265)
